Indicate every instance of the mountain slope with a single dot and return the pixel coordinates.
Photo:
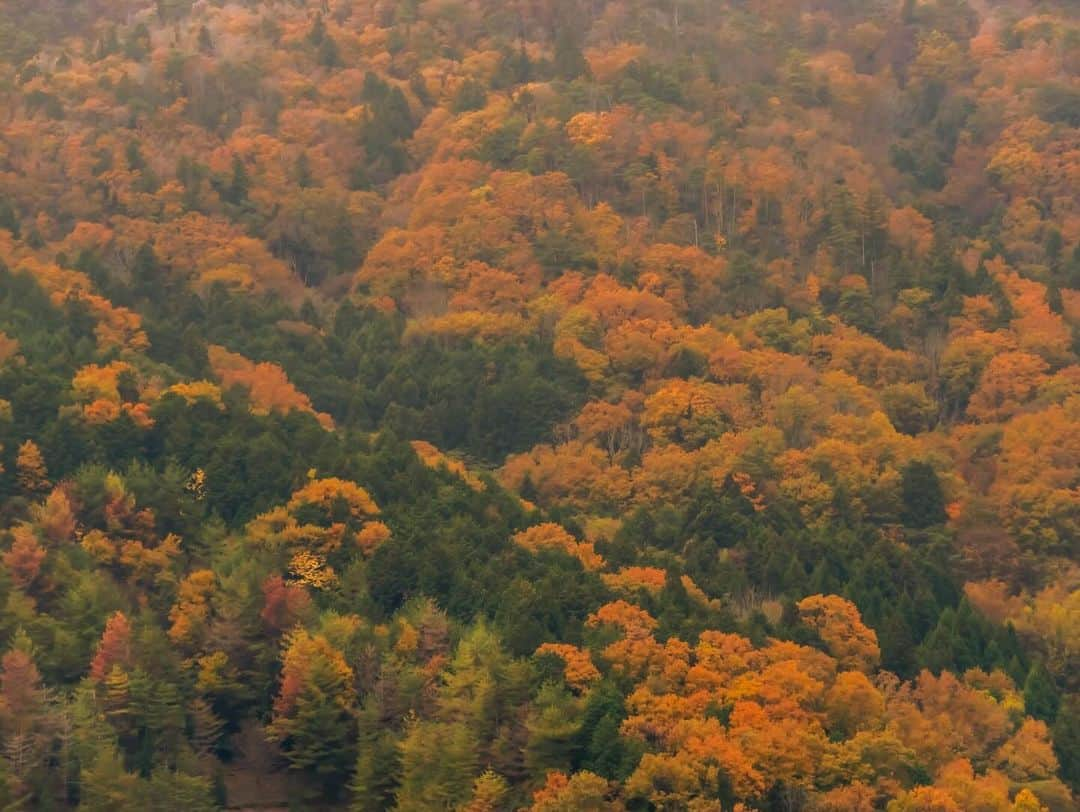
(547, 405)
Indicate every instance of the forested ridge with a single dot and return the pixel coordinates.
(540, 405)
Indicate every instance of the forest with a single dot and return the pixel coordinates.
(541, 405)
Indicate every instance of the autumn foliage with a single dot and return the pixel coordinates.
(551, 405)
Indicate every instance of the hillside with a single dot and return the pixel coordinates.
(549, 405)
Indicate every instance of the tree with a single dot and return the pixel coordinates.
(578, 668)
(314, 716)
(267, 384)
(25, 557)
(24, 714)
(30, 469)
(853, 704)
(239, 184)
(1010, 381)
(909, 408)
(378, 765)
(114, 650)
(1067, 740)
(583, 791)
(923, 498)
(838, 623)
(554, 726)
(191, 612)
(470, 96)
(172, 788)
(284, 603)
(321, 729)
(570, 62)
(206, 41)
(55, 517)
(489, 793)
(206, 727)
(105, 785)
(328, 54)
(117, 702)
(1041, 698)
(552, 536)
(438, 765)
(1027, 801)
(1028, 755)
(20, 685)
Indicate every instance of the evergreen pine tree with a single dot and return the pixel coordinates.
(105, 786)
(1067, 740)
(206, 42)
(240, 184)
(145, 272)
(843, 232)
(117, 701)
(9, 219)
(922, 495)
(328, 54)
(554, 726)
(378, 765)
(321, 731)
(172, 789)
(605, 750)
(569, 59)
(438, 765)
(897, 644)
(206, 727)
(1041, 698)
(318, 31)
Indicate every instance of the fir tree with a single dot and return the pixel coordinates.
(1067, 740)
(923, 498)
(239, 185)
(1041, 698)
(378, 765)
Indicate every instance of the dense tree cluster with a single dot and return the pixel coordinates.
(556, 405)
